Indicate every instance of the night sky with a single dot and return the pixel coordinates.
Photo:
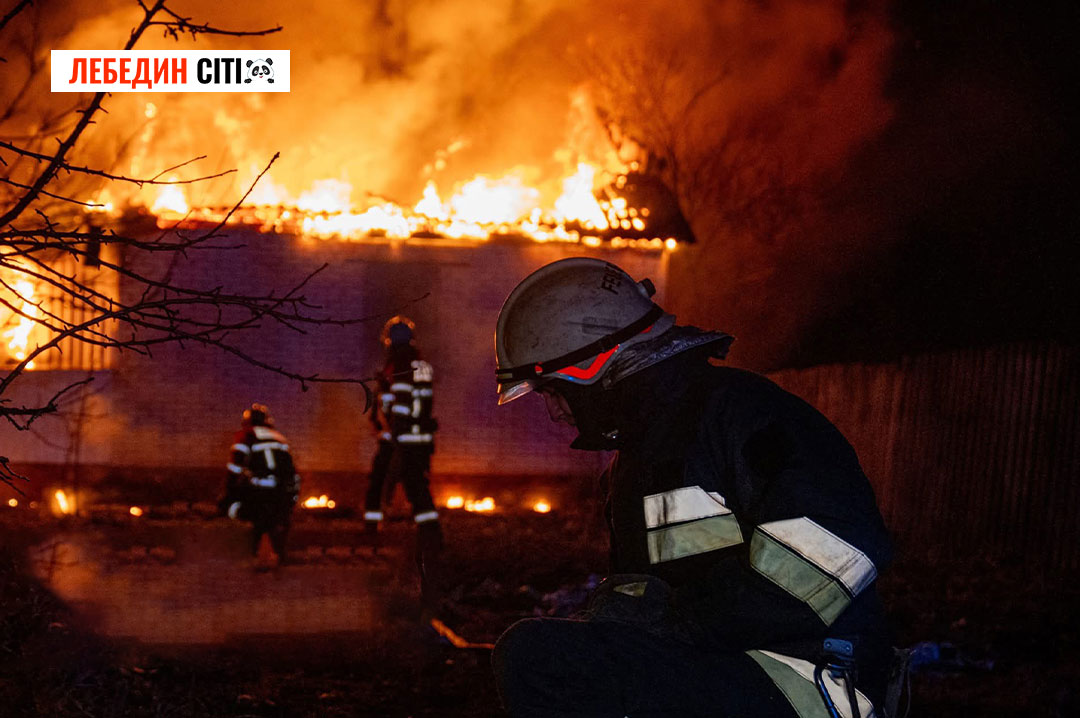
(974, 182)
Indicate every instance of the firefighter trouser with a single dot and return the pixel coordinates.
(414, 462)
(562, 668)
(270, 512)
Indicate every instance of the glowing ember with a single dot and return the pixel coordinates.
(13, 503)
(135, 511)
(64, 503)
(455, 502)
(541, 507)
(322, 502)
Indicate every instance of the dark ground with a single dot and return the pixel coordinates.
(1016, 643)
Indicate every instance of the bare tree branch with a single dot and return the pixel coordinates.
(181, 25)
(90, 288)
(23, 4)
(120, 178)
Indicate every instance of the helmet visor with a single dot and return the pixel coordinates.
(514, 390)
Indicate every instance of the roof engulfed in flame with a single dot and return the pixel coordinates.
(480, 209)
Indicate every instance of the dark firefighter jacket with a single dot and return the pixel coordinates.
(261, 462)
(403, 411)
(752, 506)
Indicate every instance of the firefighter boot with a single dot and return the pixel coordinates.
(371, 535)
(266, 558)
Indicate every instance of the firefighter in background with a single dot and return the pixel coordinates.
(745, 538)
(406, 429)
(262, 485)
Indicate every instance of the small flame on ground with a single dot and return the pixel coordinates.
(135, 511)
(541, 507)
(12, 502)
(322, 502)
(484, 505)
(64, 503)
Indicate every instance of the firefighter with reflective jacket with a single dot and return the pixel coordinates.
(403, 422)
(262, 484)
(745, 538)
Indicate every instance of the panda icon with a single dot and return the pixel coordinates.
(260, 69)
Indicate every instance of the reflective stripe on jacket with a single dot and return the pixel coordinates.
(261, 458)
(753, 506)
(406, 399)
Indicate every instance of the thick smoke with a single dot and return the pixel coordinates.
(386, 95)
(793, 158)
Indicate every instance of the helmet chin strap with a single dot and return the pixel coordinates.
(612, 417)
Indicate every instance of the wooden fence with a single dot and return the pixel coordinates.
(972, 453)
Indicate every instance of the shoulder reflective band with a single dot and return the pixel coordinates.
(812, 564)
(601, 345)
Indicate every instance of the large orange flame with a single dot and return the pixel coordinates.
(23, 320)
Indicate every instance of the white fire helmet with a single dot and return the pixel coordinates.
(568, 320)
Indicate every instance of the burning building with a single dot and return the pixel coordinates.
(432, 154)
(170, 415)
(415, 203)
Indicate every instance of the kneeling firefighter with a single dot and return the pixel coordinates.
(745, 539)
(262, 484)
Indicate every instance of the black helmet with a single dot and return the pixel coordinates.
(257, 415)
(397, 332)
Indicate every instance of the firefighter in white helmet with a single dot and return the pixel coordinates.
(262, 485)
(402, 420)
(745, 538)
